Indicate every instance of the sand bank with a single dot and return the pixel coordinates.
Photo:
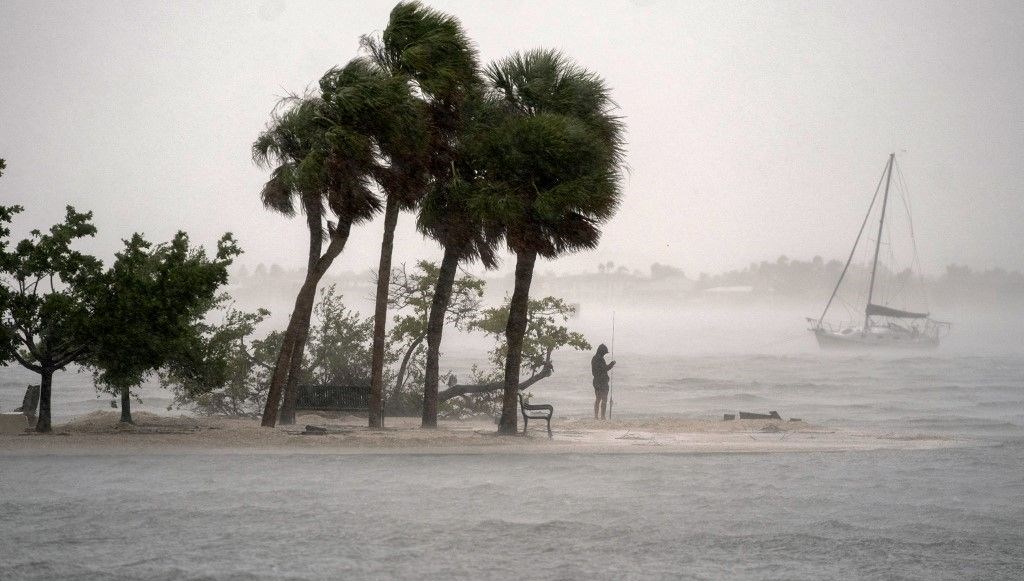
(100, 432)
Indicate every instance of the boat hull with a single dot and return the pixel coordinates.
(856, 341)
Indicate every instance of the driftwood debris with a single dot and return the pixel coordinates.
(311, 430)
(772, 415)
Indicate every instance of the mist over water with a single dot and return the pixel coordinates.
(950, 513)
(753, 129)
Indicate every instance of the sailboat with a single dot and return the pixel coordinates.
(883, 326)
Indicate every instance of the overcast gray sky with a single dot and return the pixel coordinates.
(755, 129)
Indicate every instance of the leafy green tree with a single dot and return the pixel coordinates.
(556, 158)
(340, 350)
(231, 377)
(155, 297)
(545, 333)
(412, 296)
(47, 294)
(233, 371)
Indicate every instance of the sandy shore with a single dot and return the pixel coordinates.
(100, 432)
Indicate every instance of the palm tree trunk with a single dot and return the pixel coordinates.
(45, 385)
(435, 328)
(291, 389)
(126, 405)
(314, 222)
(298, 325)
(514, 332)
(380, 315)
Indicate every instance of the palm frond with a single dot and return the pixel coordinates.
(560, 150)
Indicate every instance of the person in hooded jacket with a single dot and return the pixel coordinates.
(601, 380)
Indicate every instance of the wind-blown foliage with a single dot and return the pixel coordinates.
(433, 50)
(234, 379)
(400, 133)
(557, 157)
(555, 162)
(330, 152)
(340, 342)
(235, 370)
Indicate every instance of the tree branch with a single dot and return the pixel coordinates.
(70, 357)
(26, 364)
(400, 380)
(457, 390)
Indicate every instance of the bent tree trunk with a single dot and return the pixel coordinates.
(316, 242)
(126, 405)
(404, 367)
(457, 390)
(514, 332)
(291, 390)
(299, 324)
(435, 328)
(45, 385)
(380, 315)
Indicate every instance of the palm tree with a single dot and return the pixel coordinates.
(287, 141)
(432, 49)
(402, 138)
(323, 161)
(557, 158)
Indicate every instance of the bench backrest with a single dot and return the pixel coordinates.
(333, 397)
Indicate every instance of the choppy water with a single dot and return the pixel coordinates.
(954, 513)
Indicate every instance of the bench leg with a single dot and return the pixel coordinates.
(549, 428)
(526, 422)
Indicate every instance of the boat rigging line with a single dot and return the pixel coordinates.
(854, 249)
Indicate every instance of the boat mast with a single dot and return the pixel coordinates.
(856, 242)
(878, 242)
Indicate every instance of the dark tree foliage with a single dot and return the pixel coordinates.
(227, 372)
(555, 161)
(364, 129)
(47, 295)
(151, 313)
(432, 49)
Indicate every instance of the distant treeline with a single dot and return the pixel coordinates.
(783, 278)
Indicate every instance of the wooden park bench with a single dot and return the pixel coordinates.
(334, 398)
(541, 411)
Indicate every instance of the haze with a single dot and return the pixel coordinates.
(754, 130)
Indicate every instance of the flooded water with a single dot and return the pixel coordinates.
(955, 513)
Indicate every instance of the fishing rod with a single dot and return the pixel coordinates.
(611, 398)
